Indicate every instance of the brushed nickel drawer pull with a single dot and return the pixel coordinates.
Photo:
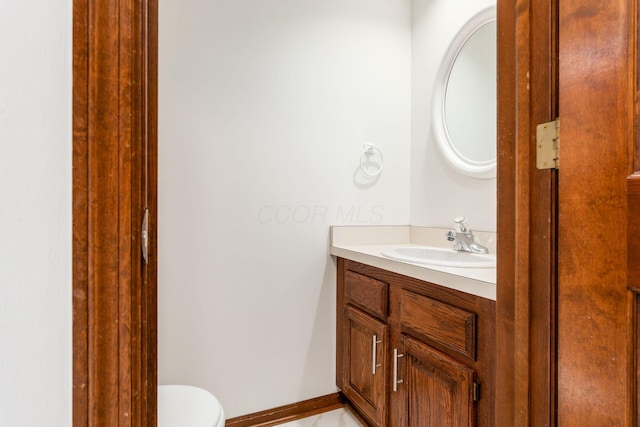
(374, 356)
(396, 381)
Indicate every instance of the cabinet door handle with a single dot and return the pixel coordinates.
(396, 381)
(374, 356)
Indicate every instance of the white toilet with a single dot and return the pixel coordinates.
(188, 406)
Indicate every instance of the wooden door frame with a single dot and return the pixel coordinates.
(526, 288)
(114, 180)
(550, 314)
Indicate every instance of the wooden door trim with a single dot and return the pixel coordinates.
(526, 288)
(597, 110)
(292, 412)
(633, 282)
(543, 207)
(114, 154)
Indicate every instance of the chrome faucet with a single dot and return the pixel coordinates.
(463, 238)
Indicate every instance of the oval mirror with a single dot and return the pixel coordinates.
(464, 98)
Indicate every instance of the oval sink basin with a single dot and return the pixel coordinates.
(438, 256)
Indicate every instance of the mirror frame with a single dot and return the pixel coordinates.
(477, 169)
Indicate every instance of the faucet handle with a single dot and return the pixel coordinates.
(460, 225)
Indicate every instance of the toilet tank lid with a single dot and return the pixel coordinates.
(183, 405)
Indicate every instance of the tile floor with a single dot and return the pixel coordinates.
(336, 418)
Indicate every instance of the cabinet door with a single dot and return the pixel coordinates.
(365, 354)
(437, 390)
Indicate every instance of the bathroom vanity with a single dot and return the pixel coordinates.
(411, 351)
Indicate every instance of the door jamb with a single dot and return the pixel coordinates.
(526, 288)
(114, 181)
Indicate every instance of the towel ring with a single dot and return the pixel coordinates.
(369, 150)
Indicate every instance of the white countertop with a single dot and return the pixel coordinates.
(365, 244)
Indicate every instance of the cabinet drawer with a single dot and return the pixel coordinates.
(441, 323)
(367, 293)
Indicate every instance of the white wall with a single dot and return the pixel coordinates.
(438, 192)
(264, 107)
(35, 213)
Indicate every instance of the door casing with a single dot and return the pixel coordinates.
(526, 284)
(114, 181)
(564, 310)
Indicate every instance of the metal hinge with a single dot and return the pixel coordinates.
(144, 240)
(475, 391)
(548, 145)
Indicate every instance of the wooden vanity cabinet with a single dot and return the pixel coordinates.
(435, 391)
(411, 353)
(365, 353)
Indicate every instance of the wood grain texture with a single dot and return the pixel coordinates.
(148, 313)
(507, 388)
(340, 321)
(439, 388)
(370, 294)
(634, 355)
(543, 204)
(633, 277)
(287, 413)
(484, 365)
(438, 323)
(633, 219)
(526, 292)
(366, 389)
(80, 181)
(114, 293)
(104, 256)
(593, 315)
